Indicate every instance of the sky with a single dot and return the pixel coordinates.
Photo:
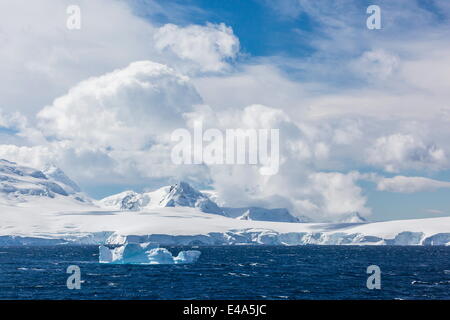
(363, 114)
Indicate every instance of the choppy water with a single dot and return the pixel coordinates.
(234, 272)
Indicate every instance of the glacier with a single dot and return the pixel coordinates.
(144, 253)
(270, 237)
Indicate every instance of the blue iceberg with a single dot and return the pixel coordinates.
(145, 253)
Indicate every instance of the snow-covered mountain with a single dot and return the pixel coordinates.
(178, 195)
(354, 217)
(25, 184)
(38, 208)
(55, 173)
(183, 195)
(22, 184)
(127, 200)
(261, 214)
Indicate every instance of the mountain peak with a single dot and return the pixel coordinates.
(354, 217)
(182, 194)
(182, 185)
(21, 182)
(52, 171)
(261, 214)
(184, 189)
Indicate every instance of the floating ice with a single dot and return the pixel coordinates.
(144, 253)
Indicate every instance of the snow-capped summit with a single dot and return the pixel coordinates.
(20, 183)
(183, 195)
(177, 195)
(261, 214)
(127, 200)
(354, 217)
(52, 171)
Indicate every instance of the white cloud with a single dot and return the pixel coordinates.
(17, 124)
(121, 121)
(410, 184)
(376, 65)
(403, 151)
(349, 132)
(323, 196)
(40, 52)
(35, 156)
(337, 194)
(125, 109)
(207, 48)
(260, 83)
(14, 120)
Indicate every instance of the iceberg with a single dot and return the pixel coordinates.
(144, 253)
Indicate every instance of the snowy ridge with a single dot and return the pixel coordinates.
(55, 173)
(21, 184)
(261, 214)
(178, 195)
(183, 195)
(127, 200)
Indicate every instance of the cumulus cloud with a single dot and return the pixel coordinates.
(205, 48)
(33, 156)
(123, 109)
(12, 120)
(410, 184)
(40, 51)
(404, 151)
(322, 196)
(18, 130)
(115, 127)
(123, 118)
(338, 194)
(376, 65)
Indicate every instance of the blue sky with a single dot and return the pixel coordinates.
(286, 30)
(270, 27)
(260, 29)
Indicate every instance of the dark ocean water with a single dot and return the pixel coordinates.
(234, 272)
